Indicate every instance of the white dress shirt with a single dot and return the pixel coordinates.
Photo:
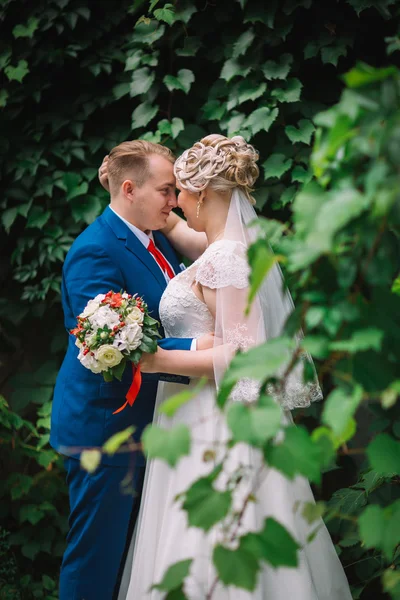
(144, 238)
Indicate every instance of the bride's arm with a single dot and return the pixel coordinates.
(186, 241)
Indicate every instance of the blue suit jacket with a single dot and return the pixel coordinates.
(106, 256)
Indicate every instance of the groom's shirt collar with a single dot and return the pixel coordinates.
(144, 238)
(141, 235)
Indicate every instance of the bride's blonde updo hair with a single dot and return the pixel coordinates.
(218, 162)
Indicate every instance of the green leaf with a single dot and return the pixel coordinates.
(121, 89)
(264, 14)
(380, 527)
(236, 568)
(254, 424)
(119, 369)
(113, 444)
(174, 576)
(143, 114)
(172, 404)
(30, 513)
(153, 4)
(260, 362)
(167, 444)
(190, 46)
(371, 524)
(142, 80)
(19, 485)
(363, 74)
(364, 339)
(233, 123)
(331, 54)
(21, 31)
(273, 544)
(38, 217)
(166, 14)
(391, 583)
(205, 505)
(261, 262)
(261, 119)
(231, 68)
(17, 73)
(177, 125)
(384, 454)
(3, 98)
(296, 454)
(8, 217)
(291, 93)
(313, 511)
(302, 133)
(183, 81)
(396, 286)
(90, 460)
(276, 165)
(31, 549)
(278, 70)
(300, 174)
(243, 43)
(214, 110)
(86, 209)
(339, 407)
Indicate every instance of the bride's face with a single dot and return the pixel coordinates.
(187, 202)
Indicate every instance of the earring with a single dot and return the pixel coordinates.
(198, 208)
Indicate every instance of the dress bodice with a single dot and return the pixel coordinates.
(182, 313)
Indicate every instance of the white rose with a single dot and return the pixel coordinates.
(104, 316)
(90, 362)
(78, 343)
(129, 338)
(135, 315)
(92, 306)
(108, 356)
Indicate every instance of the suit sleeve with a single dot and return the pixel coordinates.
(176, 343)
(90, 272)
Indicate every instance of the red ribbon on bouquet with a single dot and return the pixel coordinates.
(133, 390)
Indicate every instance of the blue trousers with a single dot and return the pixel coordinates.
(101, 522)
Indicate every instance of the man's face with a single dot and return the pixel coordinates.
(156, 198)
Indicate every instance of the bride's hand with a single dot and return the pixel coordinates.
(150, 363)
(103, 174)
(205, 341)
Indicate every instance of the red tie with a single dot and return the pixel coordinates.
(160, 259)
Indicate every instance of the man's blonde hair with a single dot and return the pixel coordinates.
(131, 160)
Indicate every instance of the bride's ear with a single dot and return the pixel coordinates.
(202, 196)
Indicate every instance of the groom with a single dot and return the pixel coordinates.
(118, 251)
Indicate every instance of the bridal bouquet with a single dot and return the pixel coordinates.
(114, 329)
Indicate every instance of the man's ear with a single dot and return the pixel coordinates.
(128, 189)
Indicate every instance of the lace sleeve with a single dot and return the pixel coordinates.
(224, 264)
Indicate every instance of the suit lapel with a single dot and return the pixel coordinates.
(132, 244)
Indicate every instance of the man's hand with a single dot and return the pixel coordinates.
(103, 174)
(206, 341)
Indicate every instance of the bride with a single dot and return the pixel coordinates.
(215, 178)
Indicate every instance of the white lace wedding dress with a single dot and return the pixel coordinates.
(162, 536)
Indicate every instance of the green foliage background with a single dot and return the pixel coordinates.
(79, 77)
